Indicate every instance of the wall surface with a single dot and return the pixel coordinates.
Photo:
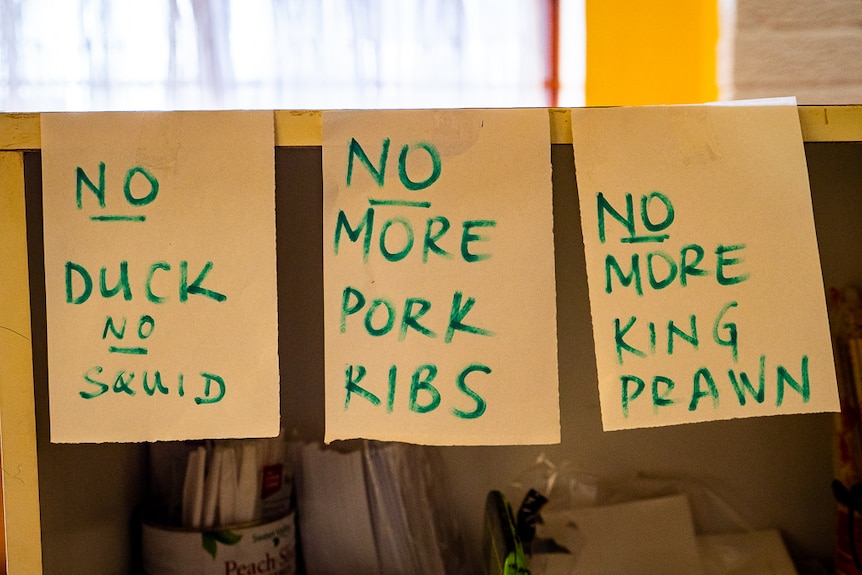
(771, 472)
(811, 50)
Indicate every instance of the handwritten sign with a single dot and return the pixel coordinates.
(702, 263)
(160, 275)
(439, 277)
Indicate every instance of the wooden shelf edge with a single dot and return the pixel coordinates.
(831, 123)
(297, 128)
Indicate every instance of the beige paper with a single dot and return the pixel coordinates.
(724, 315)
(746, 553)
(177, 338)
(444, 331)
(648, 537)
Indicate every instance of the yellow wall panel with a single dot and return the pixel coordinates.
(656, 52)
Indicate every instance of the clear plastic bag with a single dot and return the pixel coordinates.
(545, 496)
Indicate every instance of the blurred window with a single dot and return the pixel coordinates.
(80, 55)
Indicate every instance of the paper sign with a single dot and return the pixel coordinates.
(160, 275)
(702, 263)
(440, 311)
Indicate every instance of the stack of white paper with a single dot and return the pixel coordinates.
(402, 513)
(372, 511)
(334, 517)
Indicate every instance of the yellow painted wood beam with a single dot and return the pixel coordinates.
(17, 404)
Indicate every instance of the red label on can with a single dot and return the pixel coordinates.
(273, 476)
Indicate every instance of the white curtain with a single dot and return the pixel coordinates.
(78, 55)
